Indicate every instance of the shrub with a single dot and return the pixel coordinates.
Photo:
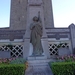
(63, 68)
(12, 69)
(18, 61)
(13, 60)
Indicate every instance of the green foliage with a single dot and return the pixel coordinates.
(63, 68)
(9, 46)
(18, 61)
(61, 45)
(12, 69)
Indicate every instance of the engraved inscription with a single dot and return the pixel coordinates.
(34, 2)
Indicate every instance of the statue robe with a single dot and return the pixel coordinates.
(35, 38)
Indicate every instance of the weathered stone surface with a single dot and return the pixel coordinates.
(48, 14)
(19, 14)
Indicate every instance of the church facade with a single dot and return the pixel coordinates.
(16, 38)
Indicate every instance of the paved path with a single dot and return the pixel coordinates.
(38, 69)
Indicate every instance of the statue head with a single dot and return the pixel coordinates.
(35, 18)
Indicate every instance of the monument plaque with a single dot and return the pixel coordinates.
(5, 54)
(34, 2)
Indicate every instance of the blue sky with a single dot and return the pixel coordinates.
(63, 12)
(4, 13)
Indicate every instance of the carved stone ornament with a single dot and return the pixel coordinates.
(34, 2)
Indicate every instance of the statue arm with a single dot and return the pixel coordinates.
(32, 26)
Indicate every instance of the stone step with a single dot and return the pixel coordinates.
(38, 64)
(38, 70)
(37, 57)
(40, 61)
(39, 67)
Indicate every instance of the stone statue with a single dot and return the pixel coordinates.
(36, 34)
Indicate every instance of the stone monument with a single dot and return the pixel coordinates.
(34, 7)
(29, 17)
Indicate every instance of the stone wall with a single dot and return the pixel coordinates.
(11, 34)
(11, 49)
(59, 47)
(58, 33)
(54, 35)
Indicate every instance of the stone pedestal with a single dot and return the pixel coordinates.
(28, 49)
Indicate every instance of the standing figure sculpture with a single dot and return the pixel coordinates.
(36, 34)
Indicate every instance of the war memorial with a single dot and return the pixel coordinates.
(32, 34)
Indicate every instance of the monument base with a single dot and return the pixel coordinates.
(37, 57)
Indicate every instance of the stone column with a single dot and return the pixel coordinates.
(26, 49)
(45, 46)
(72, 35)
